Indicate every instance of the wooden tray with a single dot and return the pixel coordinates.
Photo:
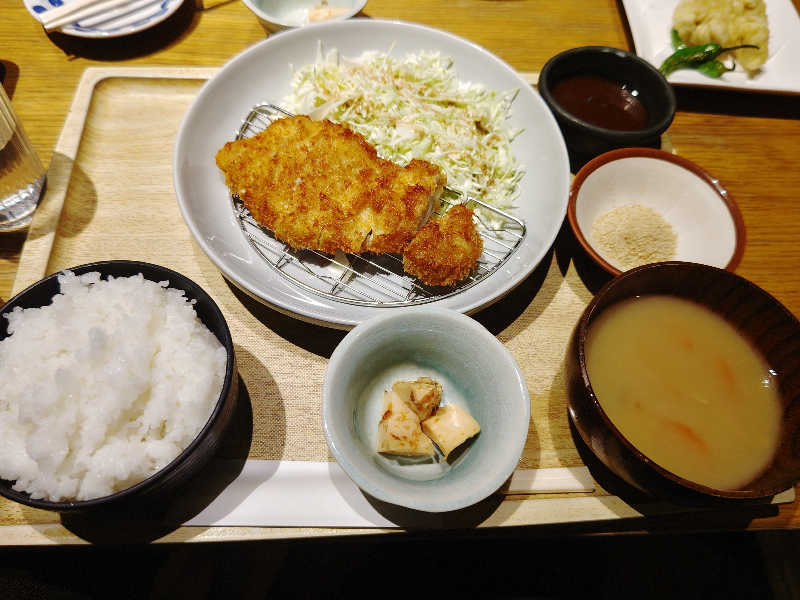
(110, 196)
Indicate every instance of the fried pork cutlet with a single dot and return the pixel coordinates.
(444, 251)
(318, 185)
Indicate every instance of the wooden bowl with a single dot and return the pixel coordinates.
(756, 315)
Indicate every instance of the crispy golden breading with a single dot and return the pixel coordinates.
(444, 251)
(318, 185)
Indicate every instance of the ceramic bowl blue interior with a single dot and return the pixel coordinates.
(476, 372)
(277, 15)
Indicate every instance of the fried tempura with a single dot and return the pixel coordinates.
(318, 185)
(728, 23)
(444, 251)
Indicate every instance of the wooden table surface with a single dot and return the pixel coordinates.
(750, 142)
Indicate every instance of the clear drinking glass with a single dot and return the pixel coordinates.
(21, 172)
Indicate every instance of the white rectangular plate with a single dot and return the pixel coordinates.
(651, 21)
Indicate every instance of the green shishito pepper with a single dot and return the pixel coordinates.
(702, 57)
(714, 68)
(677, 43)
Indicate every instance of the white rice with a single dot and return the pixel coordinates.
(103, 387)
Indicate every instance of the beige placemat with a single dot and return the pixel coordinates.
(118, 202)
(110, 196)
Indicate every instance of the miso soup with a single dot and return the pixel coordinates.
(685, 389)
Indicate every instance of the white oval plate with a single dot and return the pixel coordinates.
(132, 17)
(262, 72)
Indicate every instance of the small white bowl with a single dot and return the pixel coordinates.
(277, 15)
(476, 372)
(707, 223)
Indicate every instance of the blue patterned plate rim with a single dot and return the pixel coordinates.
(145, 14)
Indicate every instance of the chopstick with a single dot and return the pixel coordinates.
(75, 11)
(555, 480)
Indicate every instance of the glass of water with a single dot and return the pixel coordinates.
(22, 175)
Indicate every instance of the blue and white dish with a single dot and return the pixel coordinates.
(131, 17)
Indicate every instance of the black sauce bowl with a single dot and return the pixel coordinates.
(585, 140)
(191, 461)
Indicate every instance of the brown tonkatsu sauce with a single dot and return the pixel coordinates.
(601, 102)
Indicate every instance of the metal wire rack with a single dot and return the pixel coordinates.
(373, 280)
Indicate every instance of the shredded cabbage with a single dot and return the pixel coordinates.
(417, 108)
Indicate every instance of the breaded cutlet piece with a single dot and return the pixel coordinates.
(318, 185)
(444, 251)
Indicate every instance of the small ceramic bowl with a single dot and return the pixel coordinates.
(277, 15)
(756, 315)
(704, 219)
(638, 78)
(198, 453)
(476, 372)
